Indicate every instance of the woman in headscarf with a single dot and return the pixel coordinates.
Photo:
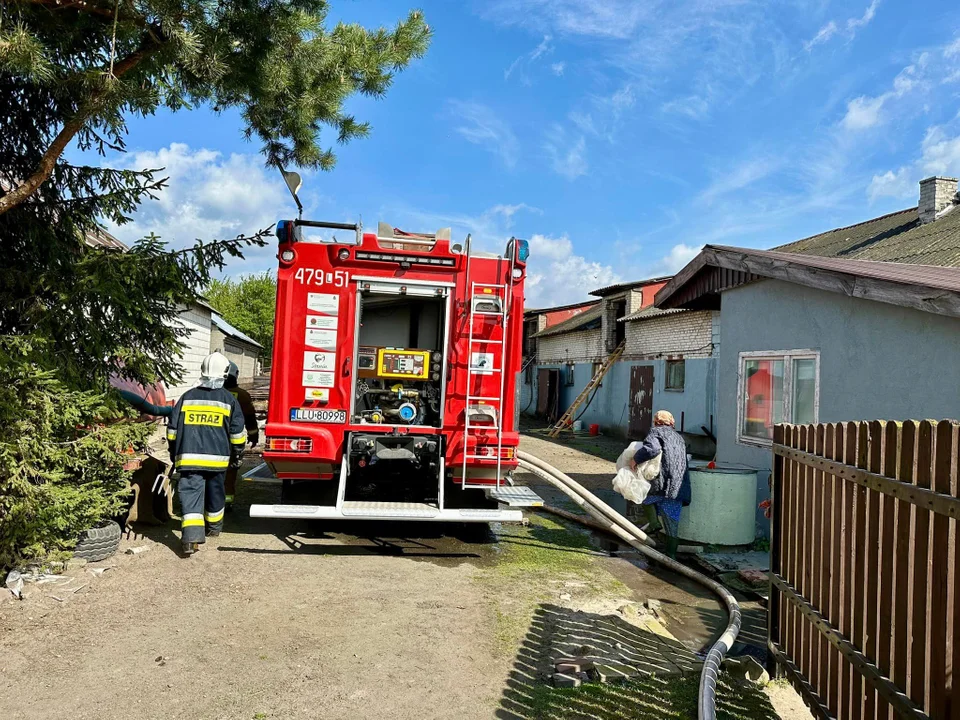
(670, 490)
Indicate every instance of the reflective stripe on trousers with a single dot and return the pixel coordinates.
(201, 503)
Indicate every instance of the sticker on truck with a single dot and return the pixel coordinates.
(316, 394)
(326, 339)
(318, 379)
(322, 322)
(313, 360)
(316, 415)
(323, 303)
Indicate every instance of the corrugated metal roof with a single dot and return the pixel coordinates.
(619, 287)
(577, 322)
(100, 238)
(898, 238)
(571, 306)
(228, 329)
(650, 312)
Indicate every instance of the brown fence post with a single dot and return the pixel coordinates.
(774, 618)
(943, 480)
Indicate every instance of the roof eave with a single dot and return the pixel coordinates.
(779, 266)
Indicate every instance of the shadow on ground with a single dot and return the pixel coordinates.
(667, 685)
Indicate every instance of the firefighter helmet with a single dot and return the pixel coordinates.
(213, 370)
(233, 372)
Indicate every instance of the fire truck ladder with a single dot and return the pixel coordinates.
(566, 422)
(497, 297)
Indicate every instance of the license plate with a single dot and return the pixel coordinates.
(316, 415)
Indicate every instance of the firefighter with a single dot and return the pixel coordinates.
(206, 437)
(249, 420)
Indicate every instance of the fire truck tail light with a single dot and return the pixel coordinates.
(506, 453)
(283, 444)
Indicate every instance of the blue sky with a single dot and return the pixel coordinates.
(618, 136)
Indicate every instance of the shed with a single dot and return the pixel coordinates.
(810, 339)
(238, 347)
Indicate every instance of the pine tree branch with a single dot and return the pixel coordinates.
(70, 129)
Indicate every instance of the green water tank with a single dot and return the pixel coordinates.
(722, 508)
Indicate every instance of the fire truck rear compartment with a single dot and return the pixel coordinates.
(393, 468)
(400, 366)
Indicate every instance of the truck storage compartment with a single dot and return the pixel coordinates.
(399, 359)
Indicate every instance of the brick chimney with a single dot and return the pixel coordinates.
(936, 193)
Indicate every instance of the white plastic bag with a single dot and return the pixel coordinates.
(634, 485)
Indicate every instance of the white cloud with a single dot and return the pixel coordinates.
(713, 47)
(557, 276)
(592, 18)
(210, 196)
(528, 59)
(863, 112)
(584, 121)
(482, 126)
(891, 184)
(852, 26)
(675, 260)
(940, 153)
(692, 106)
(558, 68)
(508, 211)
(824, 34)
(740, 176)
(568, 156)
(953, 49)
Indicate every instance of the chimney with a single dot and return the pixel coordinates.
(936, 193)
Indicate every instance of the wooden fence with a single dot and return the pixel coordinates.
(865, 581)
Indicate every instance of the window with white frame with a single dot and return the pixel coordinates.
(776, 387)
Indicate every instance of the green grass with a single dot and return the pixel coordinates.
(533, 564)
(650, 699)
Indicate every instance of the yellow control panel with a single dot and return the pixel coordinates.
(407, 364)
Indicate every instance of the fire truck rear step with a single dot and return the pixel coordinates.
(385, 511)
(515, 496)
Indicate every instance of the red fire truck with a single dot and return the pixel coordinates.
(394, 378)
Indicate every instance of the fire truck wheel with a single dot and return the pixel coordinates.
(289, 492)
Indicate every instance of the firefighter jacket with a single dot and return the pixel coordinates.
(246, 405)
(206, 428)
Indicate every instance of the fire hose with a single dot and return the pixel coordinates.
(614, 523)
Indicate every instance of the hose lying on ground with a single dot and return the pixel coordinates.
(622, 528)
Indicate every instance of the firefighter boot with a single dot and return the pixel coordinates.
(214, 503)
(230, 485)
(670, 547)
(191, 489)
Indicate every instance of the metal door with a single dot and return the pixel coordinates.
(641, 401)
(543, 391)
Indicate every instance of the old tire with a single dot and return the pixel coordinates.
(98, 543)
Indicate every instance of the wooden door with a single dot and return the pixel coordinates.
(641, 401)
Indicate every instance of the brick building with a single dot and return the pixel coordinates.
(667, 364)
